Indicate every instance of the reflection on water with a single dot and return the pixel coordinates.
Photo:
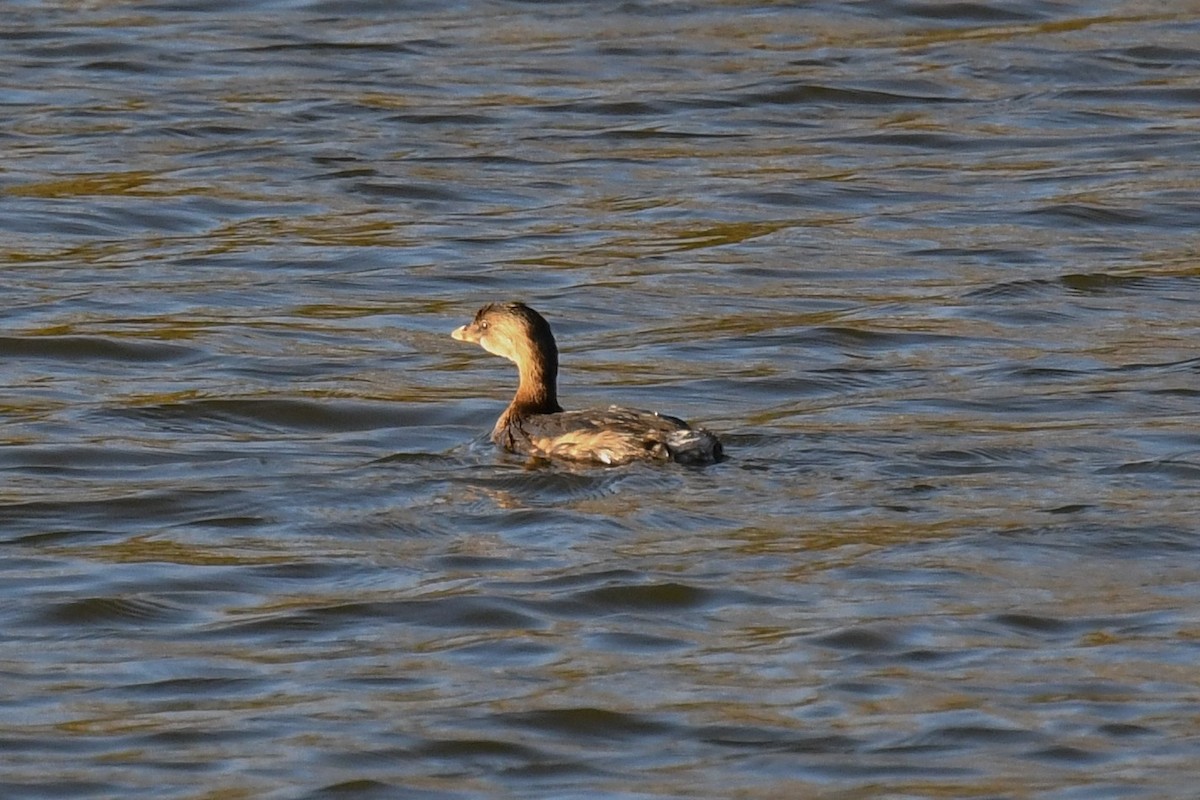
(928, 268)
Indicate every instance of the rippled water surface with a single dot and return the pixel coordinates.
(932, 270)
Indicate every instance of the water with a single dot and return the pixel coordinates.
(929, 268)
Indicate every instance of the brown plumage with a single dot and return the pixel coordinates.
(535, 424)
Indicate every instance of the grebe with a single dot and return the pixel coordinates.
(535, 424)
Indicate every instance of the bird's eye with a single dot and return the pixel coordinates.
(483, 326)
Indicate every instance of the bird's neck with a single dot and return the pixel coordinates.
(537, 392)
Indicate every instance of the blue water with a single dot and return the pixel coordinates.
(929, 269)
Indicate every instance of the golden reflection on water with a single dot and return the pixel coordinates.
(928, 271)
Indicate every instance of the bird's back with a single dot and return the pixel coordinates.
(612, 435)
